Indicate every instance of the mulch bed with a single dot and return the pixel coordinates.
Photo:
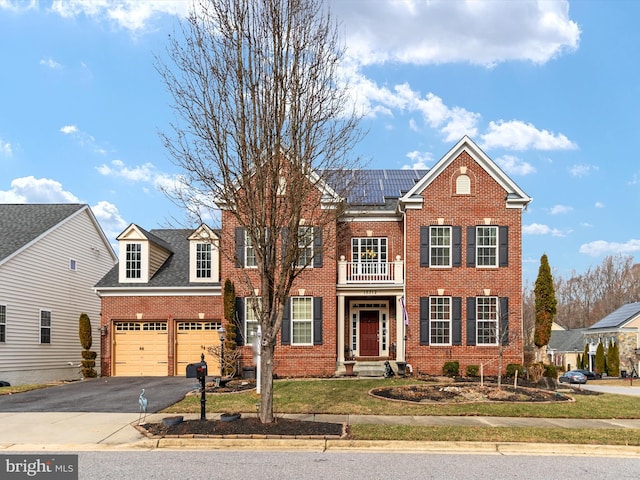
(247, 426)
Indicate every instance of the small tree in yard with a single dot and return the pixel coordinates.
(600, 359)
(86, 340)
(229, 306)
(613, 360)
(263, 128)
(585, 357)
(545, 307)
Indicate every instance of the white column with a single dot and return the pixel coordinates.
(399, 330)
(340, 333)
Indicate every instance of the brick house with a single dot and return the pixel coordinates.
(423, 269)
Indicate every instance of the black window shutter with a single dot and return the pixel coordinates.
(503, 252)
(456, 242)
(239, 321)
(471, 247)
(424, 246)
(285, 331)
(317, 320)
(456, 320)
(239, 247)
(424, 320)
(317, 247)
(504, 320)
(471, 320)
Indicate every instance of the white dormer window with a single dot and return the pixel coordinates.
(133, 260)
(204, 257)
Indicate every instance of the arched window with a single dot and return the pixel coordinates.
(463, 185)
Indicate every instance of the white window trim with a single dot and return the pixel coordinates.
(41, 327)
(309, 321)
(432, 246)
(303, 246)
(496, 246)
(495, 321)
(199, 250)
(450, 321)
(248, 245)
(248, 307)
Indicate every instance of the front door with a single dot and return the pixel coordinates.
(369, 324)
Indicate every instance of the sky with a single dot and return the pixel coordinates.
(548, 89)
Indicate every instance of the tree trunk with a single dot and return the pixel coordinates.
(266, 383)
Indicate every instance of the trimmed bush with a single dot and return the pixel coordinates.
(472, 370)
(535, 371)
(512, 368)
(89, 355)
(600, 366)
(451, 369)
(550, 371)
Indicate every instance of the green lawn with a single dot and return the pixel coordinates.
(350, 396)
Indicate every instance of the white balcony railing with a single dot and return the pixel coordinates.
(370, 272)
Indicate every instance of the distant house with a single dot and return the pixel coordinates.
(51, 255)
(621, 326)
(422, 268)
(565, 346)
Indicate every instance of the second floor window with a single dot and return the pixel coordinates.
(487, 246)
(203, 260)
(369, 256)
(440, 320)
(45, 326)
(440, 247)
(305, 245)
(133, 260)
(249, 252)
(3, 323)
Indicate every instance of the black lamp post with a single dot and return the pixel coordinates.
(222, 332)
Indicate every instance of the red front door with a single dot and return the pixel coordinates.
(369, 333)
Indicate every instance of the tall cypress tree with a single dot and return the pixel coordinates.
(545, 305)
(600, 359)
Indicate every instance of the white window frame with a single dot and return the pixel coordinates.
(250, 260)
(485, 244)
(463, 185)
(370, 255)
(204, 266)
(251, 321)
(302, 306)
(44, 327)
(438, 246)
(133, 261)
(440, 315)
(306, 237)
(3, 323)
(487, 322)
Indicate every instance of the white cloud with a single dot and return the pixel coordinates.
(517, 135)
(435, 32)
(539, 229)
(51, 63)
(599, 205)
(582, 170)
(514, 165)
(110, 220)
(83, 138)
(602, 247)
(560, 209)
(140, 173)
(419, 159)
(36, 190)
(5, 149)
(18, 5)
(132, 15)
(69, 129)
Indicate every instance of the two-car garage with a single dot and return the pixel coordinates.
(143, 348)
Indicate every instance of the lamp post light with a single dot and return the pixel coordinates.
(221, 333)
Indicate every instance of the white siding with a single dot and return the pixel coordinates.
(40, 278)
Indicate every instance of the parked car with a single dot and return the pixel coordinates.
(573, 376)
(589, 374)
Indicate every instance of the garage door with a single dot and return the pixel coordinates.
(194, 339)
(141, 349)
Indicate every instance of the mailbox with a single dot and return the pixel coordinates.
(197, 370)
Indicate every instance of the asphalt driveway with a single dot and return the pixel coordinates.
(108, 394)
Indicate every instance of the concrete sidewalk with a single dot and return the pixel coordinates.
(58, 431)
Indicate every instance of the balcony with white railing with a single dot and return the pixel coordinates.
(370, 272)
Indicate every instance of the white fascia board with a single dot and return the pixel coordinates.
(209, 291)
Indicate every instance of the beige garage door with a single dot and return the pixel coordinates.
(194, 339)
(141, 349)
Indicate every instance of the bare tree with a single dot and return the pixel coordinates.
(263, 132)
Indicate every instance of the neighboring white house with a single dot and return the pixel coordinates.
(51, 256)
